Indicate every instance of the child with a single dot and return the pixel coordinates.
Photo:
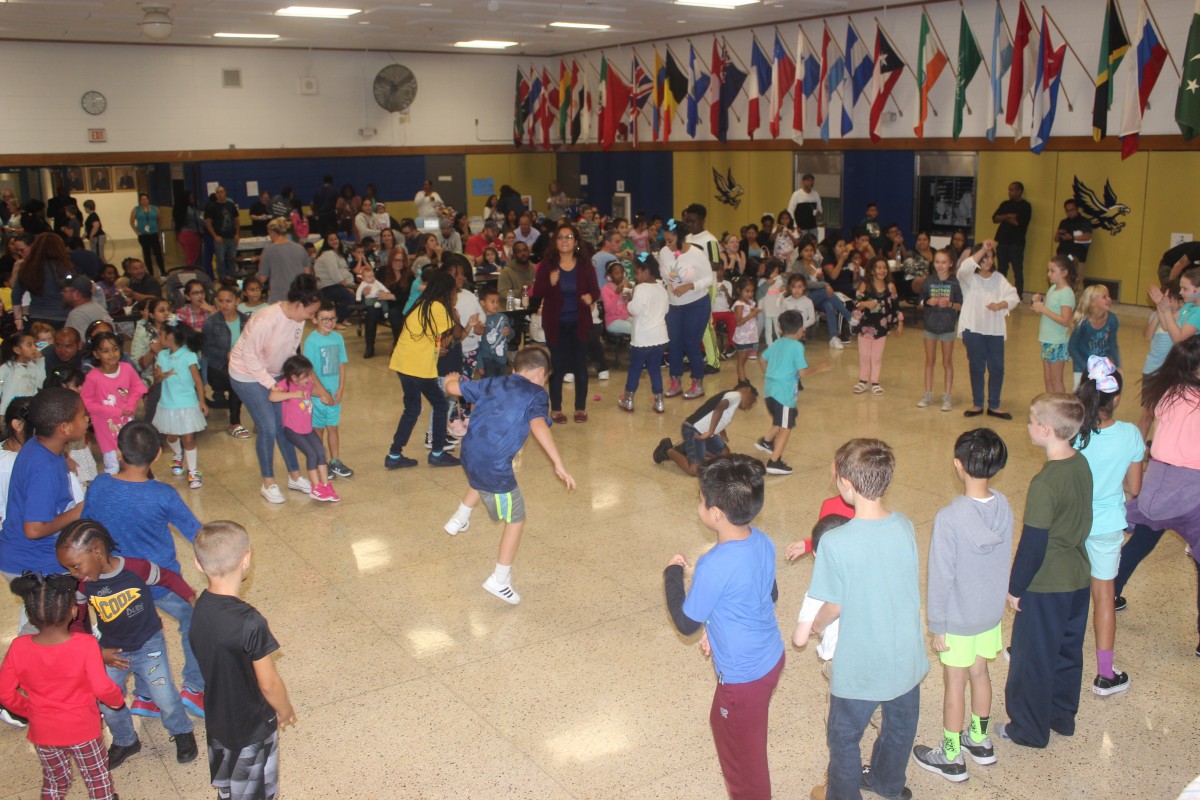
(1055, 324)
(60, 675)
(784, 363)
(1160, 345)
(866, 574)
(326, 350)
(1114, 451)
(771, 302)
(1048, 585)
(110, 393)
(648, 309)
(43, 333)
(968, 576)
(252, 296)
(22, 373)
(141, 508)
(221, 332)
(295, 392)
(147, 342)
(131, 637)
(493, 351)
(988, 298)
(248, 706)
(506, 411)
(722, 308)
(733, 595)
(877, 309)
(797, 299)
(490, 263)
(181, 408)
(197, 309)
(80, 460)
(703, 433)
(745, 331)
(941, 298)
(1095, 331)
(614, 294)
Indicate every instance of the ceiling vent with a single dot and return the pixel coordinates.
(231, 79)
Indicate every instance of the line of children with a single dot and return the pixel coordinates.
(648, 309)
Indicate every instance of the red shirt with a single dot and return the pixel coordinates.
(836, 505)
(477, 244)
(61, 685)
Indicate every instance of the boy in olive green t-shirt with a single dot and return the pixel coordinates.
(1049, 583)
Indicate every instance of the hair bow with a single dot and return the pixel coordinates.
(672, 225)
(643, 256)
(173, 319)
(1100, 370)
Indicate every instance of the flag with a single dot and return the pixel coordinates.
(566, 98)
(614, 102)
(520, 107)
(835, 78)
(930, 63)
(823, 85)
(717, 70)
(549, 107)
(969, 59)
(807, 67)
(536, 107)
(760, 86)
(660, 82)
(1187, 104)
(887, 70)
(731, 84)
(675, 90)
(783, 75)
(1113, 45)
(1021, 74)
(698, 82)
(1002, 56)
(1045, 87)
(643, 87)
(1150, 57)
(860, 68)
(581, 120)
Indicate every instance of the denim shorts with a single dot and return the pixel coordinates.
(695, 449)
(948, 336)
(1052, 353)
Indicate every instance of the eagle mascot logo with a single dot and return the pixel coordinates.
(729, 191)
(1101, 213)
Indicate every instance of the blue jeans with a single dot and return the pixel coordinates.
(832, 306)
(848, 720)
(268, 424)
(985, 353)
(181, 610)
(649, 359)
(226, 252)
(208, 252)
(341, 297)
(149, 664)
(414, 388)
(685, 329)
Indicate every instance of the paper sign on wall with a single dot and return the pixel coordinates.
(583, 180)
(1180, 238)
(251, 188)
(483, 186)
(620, 186)
(211, 186)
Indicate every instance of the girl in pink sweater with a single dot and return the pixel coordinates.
(111, 392)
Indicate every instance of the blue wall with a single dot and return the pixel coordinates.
(883, 177)
(397, 177)
(649, 178)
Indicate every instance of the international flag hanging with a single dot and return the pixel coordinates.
(1187, 103)
(536, 107)
(731, 83)
(549, 107)
(581, 121)
(1002, 56)
(1020, 77)
(808, 72)
(887, 69)
(783, 75)
(717, 71)
(698, 81)
(566, 97)
(1114, 44)
(969, 59)
(859, 69)
(643, 87)
(660, 83)
(1045, 87)
(614, 103)
(835, 77)
(930, 63)
(676, 90)
(520, 107)
(1151, 55)
(760, 86)
(823, 85)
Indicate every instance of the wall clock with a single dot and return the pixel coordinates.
(93, 103)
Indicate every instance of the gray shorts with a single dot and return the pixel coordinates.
(251, 773)
(948, 336)
(504, 507)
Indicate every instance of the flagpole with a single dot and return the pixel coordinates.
(713, 79)
(978, 47)
(907, 66)
(640, 109)
(949, 63)
(1163, 40)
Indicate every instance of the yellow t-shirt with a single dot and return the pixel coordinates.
(6, 297)
(416, 352)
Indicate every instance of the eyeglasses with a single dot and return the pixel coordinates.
(567, 237)
(326, 319)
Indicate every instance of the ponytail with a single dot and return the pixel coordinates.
(1098, 393)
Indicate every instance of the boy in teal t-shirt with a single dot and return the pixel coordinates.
(784, 362)
(326, 349)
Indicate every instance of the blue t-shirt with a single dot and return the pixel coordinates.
(870, 568)
(38, 491)
(495, 343)
(731, 595)
(504, 407)
(178, 390)
(785, 359)
(1087, 340)
(1189, 315)
(568, 284)
(137, 514)
(327, 354)
(1109, 454)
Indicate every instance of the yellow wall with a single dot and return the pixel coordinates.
(1171, 180)
(529, 173)
(765, 176)
(1038, 173)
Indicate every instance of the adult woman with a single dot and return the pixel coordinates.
(346, 209)
(958, 245)
(688, 274)
(917, 263)
(489, 210)
(42, 274)
(189, 226)
(334, 278)
(506, 253)
(364, 220)
(114, 301)
(567, 296)
(462, 224)
(785, 239)
(732, 257)
(387, 243)
(143, 219)
(93, 230)
(270, 337)
(15, 248)
(749, 244)
(511, 220)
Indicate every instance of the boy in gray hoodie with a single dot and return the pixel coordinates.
(968, 583)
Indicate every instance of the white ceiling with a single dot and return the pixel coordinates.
(401, 25)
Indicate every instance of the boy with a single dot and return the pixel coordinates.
(496, 330)
(326, 349)
(784, 363)
(141, 508)
(733, 595)
(703, 432)
(866, 575)
(247, 701)
(506, 410)
(1049, 586)
(968, 576)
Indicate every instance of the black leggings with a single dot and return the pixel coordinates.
(218, 379)
(152, 249)
(309, 444)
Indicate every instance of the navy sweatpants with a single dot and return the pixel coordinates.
(1042, 693)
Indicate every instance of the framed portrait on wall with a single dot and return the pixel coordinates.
(99, 179)
(75, 179)
(125, 178)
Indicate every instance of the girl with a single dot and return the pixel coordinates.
(648, 309)
(295, 392)
(1095, 331)
(114, 301)
(80, 461)
(22, 373)
(988, 298)
(785, 239)
(1187, 322)
(147, 341)
(299, 221)
(252, 296)
(181, 409)
(491, 261)
(1055, 325)
(1114, 452)
(941, 298)
(16, 430)
(823, 296)
(110, 393)
(745, 331)
(878, 310)
(197, 309)
(797, 299)
(60, 675)
(772, 299)
(614, 294)
(640, 235)
(722, 305)
(221, 332)
(1160, 345)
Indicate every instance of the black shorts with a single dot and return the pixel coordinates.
(781, 416)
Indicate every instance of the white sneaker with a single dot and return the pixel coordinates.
(925, 401)
(947, 403)
(569, 377)
(502, 590)
(456, 526)
(272, 494)
(836, 344)
(602, 375)
(300, 484)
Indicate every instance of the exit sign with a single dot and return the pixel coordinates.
(97, 135)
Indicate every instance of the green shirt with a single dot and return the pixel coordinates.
(1049, 331)
(1060, 501)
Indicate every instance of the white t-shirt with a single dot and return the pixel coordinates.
(369, 290)
(801, 196)
(722, 301)
(691, 266)
(427, 205)
(804, 305)
(704, 422)
(7, 459)
(747, 332)
(467, 305)
(648, 309)
(808, 612)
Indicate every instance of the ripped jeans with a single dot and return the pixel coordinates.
(149, 664)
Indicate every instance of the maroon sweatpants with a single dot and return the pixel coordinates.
(739, 726)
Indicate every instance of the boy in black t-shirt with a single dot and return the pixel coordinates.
(245, 701)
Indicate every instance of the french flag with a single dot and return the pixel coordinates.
(783, 75)
(760, 85)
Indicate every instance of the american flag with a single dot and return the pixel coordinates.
(643, 87)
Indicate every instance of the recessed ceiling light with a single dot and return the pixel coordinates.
(246, 35)
(485, 44)
(590, 26)
(317, 12)
(725, 5)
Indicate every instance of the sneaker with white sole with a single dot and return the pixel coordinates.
(194, 481)
(336, 467)
(451, 443)
(602, 375)
(925, 401)
(764, 445)
(778, 468)
(569, 377)
(836, 344)
(300, 484)
(1103, 686)
(272, 494)
(947, 403)
(502, 590)
(935, 761)
(9, 718)
(456, 526)
(177, 466)
(980, 752)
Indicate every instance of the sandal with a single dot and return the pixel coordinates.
(860, 387)
(558, 418)
(240, 433)
(581, 416)
(876, 389)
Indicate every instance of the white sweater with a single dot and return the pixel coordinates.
(691, 267)
(648, 308)
(978, 293)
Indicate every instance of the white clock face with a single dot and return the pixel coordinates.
(94, 103)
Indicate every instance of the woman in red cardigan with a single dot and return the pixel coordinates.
(566, 285)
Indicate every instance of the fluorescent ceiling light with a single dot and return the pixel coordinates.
(317, 12)
(246, 35)
(485, 44)
(726, 5)
(589, 26)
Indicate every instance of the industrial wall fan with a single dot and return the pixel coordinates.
(395, 88)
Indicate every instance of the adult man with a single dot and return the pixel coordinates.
(59, 201)
(7, 204)
(77, 296)
(66, 352)
(428, 201)
(518, 274)
(412, 236)
(1176, 260)
(1013, 217)
(1074, 234)
(282, 260)
(260, 214)
(525, 231)
(481, 241)
(324, 205)
(557, 202)
(281, 204)
(805, 206)
(142, 285)
(83, 260)
(610, 247)
(221, 221)
(448, 238)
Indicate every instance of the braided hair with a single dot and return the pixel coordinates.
(49, 600)
(81, 533)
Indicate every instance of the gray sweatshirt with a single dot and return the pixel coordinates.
(969, 559)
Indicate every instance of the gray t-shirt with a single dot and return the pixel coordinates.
(81, 317)
(280, 264)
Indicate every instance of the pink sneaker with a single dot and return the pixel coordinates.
(325, 492)
(674, 389)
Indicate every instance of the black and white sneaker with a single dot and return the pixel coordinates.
(980, 752)
(935, 761)
(451, 442)
(1103, 686)
(1119, 603)
(9, 718)
(765, 446)
(778, 468)
(502, 590)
